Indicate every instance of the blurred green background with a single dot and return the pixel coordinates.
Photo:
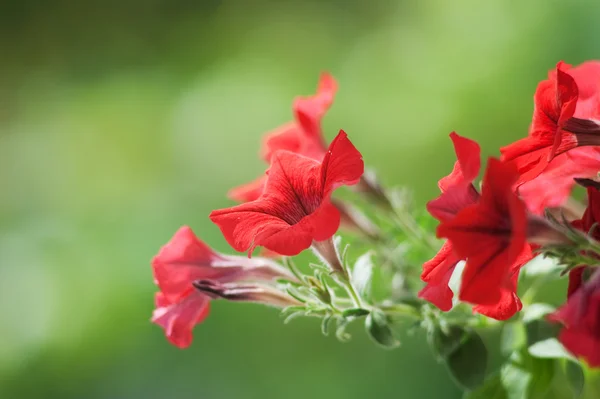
(122, 120)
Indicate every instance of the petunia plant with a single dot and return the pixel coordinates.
(467, 270)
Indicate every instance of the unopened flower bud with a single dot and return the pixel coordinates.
(327, 251)
(541, 232)
(257, 293)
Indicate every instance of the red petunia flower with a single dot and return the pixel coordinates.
(555, 128)
(589, 221)
(509, 303)
(437, 273)
(490, 235)
(249, 191)
(581, 319)
(294, 209)
(581, 314)
(184, 260)
(458, 192)
(302, 136)
(552, 188)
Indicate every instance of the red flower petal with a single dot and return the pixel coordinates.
(509, 303)
(452, 201)
(581, 318)
(437, 273)
(310, 110)
(468, 162)
(555, 102)
(304, 136)
(287, 137)
(178, 319)
(458, 192)
(575, 280)
(457, 188)
(587, 78)
(249, 191)
(184, 259)
(490, 235)
(343, 164)
(294, 209)
(582, 344)
(554, 185)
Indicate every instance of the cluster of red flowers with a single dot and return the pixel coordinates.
(494, 230)
(286, 211)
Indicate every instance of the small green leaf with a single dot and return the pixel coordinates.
(513, 337)
(550, 349)
(380, 331)
(492, 388)
(325, 324)
(292, 291)
(443, 343)
(340, 331)
(355, 312)
(467, 364)
(362, 274)
(576, 377)
(536, 311)
(540, 330)
(292, 316)
(524, 376)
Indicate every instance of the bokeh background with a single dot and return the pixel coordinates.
(122, 120)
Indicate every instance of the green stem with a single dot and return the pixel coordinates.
(409, 225)
(352, 291)
(401, 310)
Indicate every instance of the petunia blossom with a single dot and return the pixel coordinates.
(457, 192)
(588, 223)
(294, 209)
(581, 319)
(186, 259)
(557, 125)
(552, 188)
(304, 135)
(490, 235)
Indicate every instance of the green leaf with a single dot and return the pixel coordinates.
(467, 364)
(536, 311)
(379, 330)
(362, 274)
(492, 388)
(575, 376)
(293, 292)
(513, 338)
(340, 331)
(355, 312)
(325, 324)
(540, 330)
(444, 342)
(525, 377)
(550, 349)
(292, 316)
